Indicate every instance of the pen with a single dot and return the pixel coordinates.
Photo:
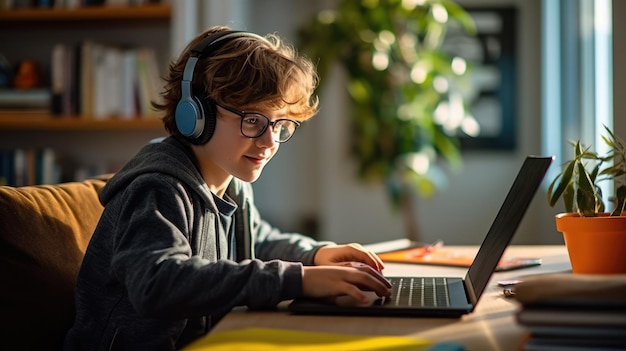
(428, 249)
(509, 286)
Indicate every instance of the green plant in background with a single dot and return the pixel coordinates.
(577, 184)
(406, 93)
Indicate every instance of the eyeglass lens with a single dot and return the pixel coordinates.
(253, 125)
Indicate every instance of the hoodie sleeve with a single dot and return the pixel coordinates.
(271, 243)
(153, 258)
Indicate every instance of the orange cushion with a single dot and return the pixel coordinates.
(44, 231)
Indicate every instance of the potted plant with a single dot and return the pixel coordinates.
(404, 89)
(595, 238)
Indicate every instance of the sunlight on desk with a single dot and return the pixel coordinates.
(490, 327)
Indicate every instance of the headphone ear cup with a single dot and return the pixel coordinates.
(210, 120)
(190, 117)
(196, 117)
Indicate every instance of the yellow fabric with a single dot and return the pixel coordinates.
(266, 339)
(44, 231)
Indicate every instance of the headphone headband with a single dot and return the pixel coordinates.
(195, 117)
(211, 41)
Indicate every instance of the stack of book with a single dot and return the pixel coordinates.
(25, 100)
(573, 312)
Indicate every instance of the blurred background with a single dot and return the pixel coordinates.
(567, 84)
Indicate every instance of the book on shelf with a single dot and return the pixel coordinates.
(107, 82)
(23, 166)
(62, 80)
(128, 101)
(29, 166)
(27, 99)
(573, 312)
(148, 78)
(86, 74)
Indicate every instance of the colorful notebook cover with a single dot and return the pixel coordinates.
(438, 255)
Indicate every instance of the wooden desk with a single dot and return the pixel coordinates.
(491, 326)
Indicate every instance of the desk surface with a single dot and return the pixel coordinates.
(491, 326)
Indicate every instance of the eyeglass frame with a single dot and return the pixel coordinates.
(242, 115)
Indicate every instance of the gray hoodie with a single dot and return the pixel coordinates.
(156, 274)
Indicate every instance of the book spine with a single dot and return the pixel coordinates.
(95, 80)
(56, 72)
(29, 166)
(129, 83)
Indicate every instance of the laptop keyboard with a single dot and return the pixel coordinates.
(423, 291)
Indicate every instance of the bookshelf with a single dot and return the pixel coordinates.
(97, 13)
(43, 122)
(84, 145)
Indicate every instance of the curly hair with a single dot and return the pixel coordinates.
(244, 72)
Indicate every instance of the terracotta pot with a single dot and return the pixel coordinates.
(596, 245)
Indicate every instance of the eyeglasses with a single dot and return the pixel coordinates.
(254, 124)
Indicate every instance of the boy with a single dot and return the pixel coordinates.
(180, 241)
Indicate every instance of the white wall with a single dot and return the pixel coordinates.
(312, 177)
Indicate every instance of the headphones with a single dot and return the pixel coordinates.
(195, 115)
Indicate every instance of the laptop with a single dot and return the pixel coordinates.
(449, 296)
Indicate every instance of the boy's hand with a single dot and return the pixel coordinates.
(334, 281)
(344, 254)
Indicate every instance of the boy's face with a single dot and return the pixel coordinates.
(230, 153)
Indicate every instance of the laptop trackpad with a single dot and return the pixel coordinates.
(349, 301)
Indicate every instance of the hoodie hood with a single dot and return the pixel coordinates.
(168, 157)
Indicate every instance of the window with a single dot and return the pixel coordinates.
(577, 76)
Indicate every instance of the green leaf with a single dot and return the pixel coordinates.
(586, 201)
(584, 180)
(566, 178)
(609, 132)
(568, 198)
(598, 197)
(620, 205)
(578, 149)
(594, 173)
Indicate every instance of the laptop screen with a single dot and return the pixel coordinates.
(505, 224)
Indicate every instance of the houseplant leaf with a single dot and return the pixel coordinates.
(379, 44)
(565, 180)
(585, 193)
(579, 187)
(620, 205)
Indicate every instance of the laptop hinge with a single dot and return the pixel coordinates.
(469, 290)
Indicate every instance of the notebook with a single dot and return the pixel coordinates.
(449, 296)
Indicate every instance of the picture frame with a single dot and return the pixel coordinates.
(491, 55)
